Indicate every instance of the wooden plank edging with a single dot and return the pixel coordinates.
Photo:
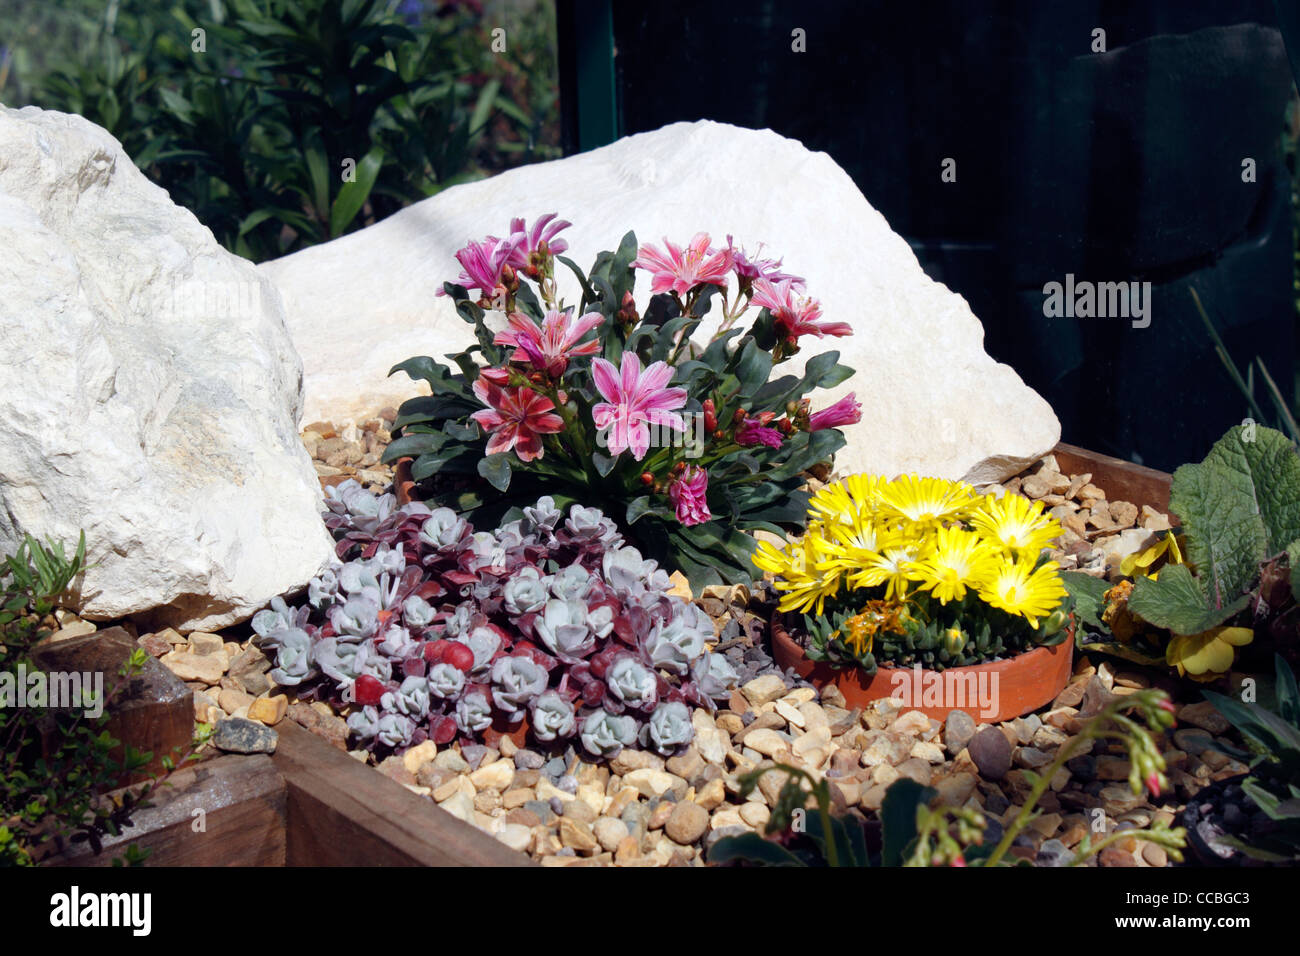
(242, 823)
(343, 813)
(1121, 480)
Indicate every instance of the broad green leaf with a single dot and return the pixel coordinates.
(1238, 507)
(496, 469)
(1177, 601)
(1089, 596)
(898, 818)
(411, 446)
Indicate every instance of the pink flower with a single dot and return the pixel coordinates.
(484, 263)
(687, 492)
(795, 315)
(539, 241)
(682, 269)
(515, 418)
(847, 411)
(550, 347)
(769, 269)
(754, 432)
(632, 399)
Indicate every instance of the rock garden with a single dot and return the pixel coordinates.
(646, 539)
(600, 590)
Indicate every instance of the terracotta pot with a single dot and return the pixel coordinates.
(1009, 688)
(403, 485)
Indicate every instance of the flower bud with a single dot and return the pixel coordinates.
(738, 417)
(647, 478)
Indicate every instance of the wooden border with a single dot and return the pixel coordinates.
(242, 799)
(1121, 480)
(343, 813)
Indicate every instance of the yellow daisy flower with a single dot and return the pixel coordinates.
(846, 500)
(1017, 588)
(1208, 654)
(806, 587)
(1015, 524)
(925, 501)
(892, 566)
(847, 547)
(960, 559)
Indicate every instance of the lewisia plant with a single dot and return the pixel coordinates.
(429, 630)
(920, 571)
(687, 445)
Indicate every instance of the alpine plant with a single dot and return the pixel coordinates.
(686, 445)
(429, 630)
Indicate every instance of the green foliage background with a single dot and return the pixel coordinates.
(252, 133)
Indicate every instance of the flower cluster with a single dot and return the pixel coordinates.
(919, 568)
(601, 404)
(428, 629)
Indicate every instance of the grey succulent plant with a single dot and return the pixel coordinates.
(323, 589)
(669, 728)
(395, 730)
(592, 523)
(542, 518)
(396, 642)
(714, 675)
(411, 698)
(553, 717)
(293, 665)
(526, 591)
(484, 642)
(473, 713)
(364, 722)
(417, 612)
(355, 619)
(676, 642)
(573, 583)
(605, 734)
(277, 617)
(443, 529)
(563, 628)
(445, 681)
(515, 682)
(632, 682)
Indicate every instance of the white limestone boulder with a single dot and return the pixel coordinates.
(933, 400)
(149, 391)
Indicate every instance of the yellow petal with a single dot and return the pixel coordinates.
(1208, 652)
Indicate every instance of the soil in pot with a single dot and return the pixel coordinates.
(990, 692)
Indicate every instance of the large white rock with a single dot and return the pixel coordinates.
(933, 401)
(149, 392)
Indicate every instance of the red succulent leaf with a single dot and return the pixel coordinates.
(368, 690)
(459, 656)
(442, 730)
